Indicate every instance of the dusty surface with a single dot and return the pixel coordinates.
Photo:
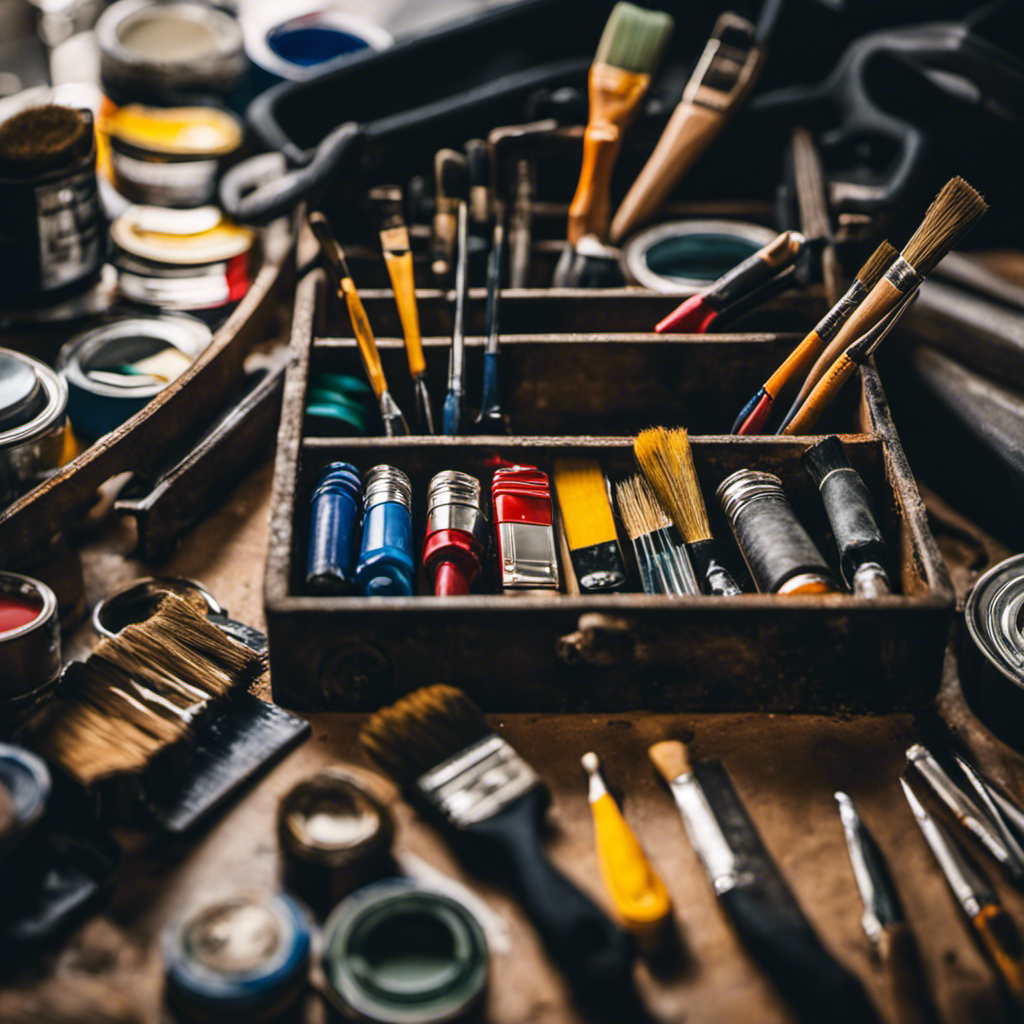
(785, 768)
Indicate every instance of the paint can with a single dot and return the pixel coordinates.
(52, 231)
(289, 40)
(138, 600)
(166, 70)
(335, 836)
(114, 370)
(181, 260)
(242, 958)
(24, 792)
(400, 952)
(33, 419)
(687, 256)
(991, 650)
(30, 660)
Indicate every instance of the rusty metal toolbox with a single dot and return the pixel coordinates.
(569, 390)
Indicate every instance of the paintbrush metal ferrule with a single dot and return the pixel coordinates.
(828, 326)
(477, 782)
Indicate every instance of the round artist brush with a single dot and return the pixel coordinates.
(666, 460)
(435, 744)
(754, 414)
(699, 312)
(337, 268)
(953, 212)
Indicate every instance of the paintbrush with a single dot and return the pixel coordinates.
(863, 553)
(451, 413)
(995, 929)
(666, 460)
(394, 240)
(754, 414)
(721, 81)
(435, 744)
(589, 525)
(662, 561)
(885, 925)
(490, 419)
(754, 896)
(478, 176)
(627, 55)
(953, 212)
(640, 897)
(341, 280)
(699, 312)
(451, 182)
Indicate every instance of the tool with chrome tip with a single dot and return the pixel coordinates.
(641, 900)
(666, 460)
(436, 745)
(524, 529)
(341, 280)
(754, 896)
(451, 414)
(754, 414)
(456, 537)
(996, 930)
(699, 312)
(490, 418)
(885, 925)
(994, 809)
(966, 811)
(723, 78)
(953, 213)
(863, 553)
(394, 240)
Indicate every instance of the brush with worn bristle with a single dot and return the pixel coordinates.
(451, 181)
(953, 212)
(662, 561)
(754, 414)
(394, 240)
(589, 525)
(436, 745)
(630, 48)
(140, 692)
(666, 460)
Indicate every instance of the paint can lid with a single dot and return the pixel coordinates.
(242, 955)
(174, 238)
(21, 392)
(24, 791)
(399, 952)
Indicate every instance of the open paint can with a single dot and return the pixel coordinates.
(114, 370)
(30, 661)
(33, 417)
(24, 792)
(687, 256)
(241, 958)
(183, 260)
(399, 952)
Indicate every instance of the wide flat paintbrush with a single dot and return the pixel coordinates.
(341, 279)
(394, 240)
(627, 55)
(753, 895)
(756, 272)
(662, 561)
(721, 81)
(435, 744)
(755, 413)
(666, 460)
(953, 212)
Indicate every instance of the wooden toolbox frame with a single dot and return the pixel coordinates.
(615, 652)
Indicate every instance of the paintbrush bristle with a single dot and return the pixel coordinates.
(877, 264)
(140, 691)
(634, 38)
(825, 457)
(639, 508)
(953, 212)
(666, 460)
(583, 501)
(421, 730)
(671, 758)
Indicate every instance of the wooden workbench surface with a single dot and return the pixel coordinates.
(786, 769)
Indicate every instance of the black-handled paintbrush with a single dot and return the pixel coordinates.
(435, 744)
